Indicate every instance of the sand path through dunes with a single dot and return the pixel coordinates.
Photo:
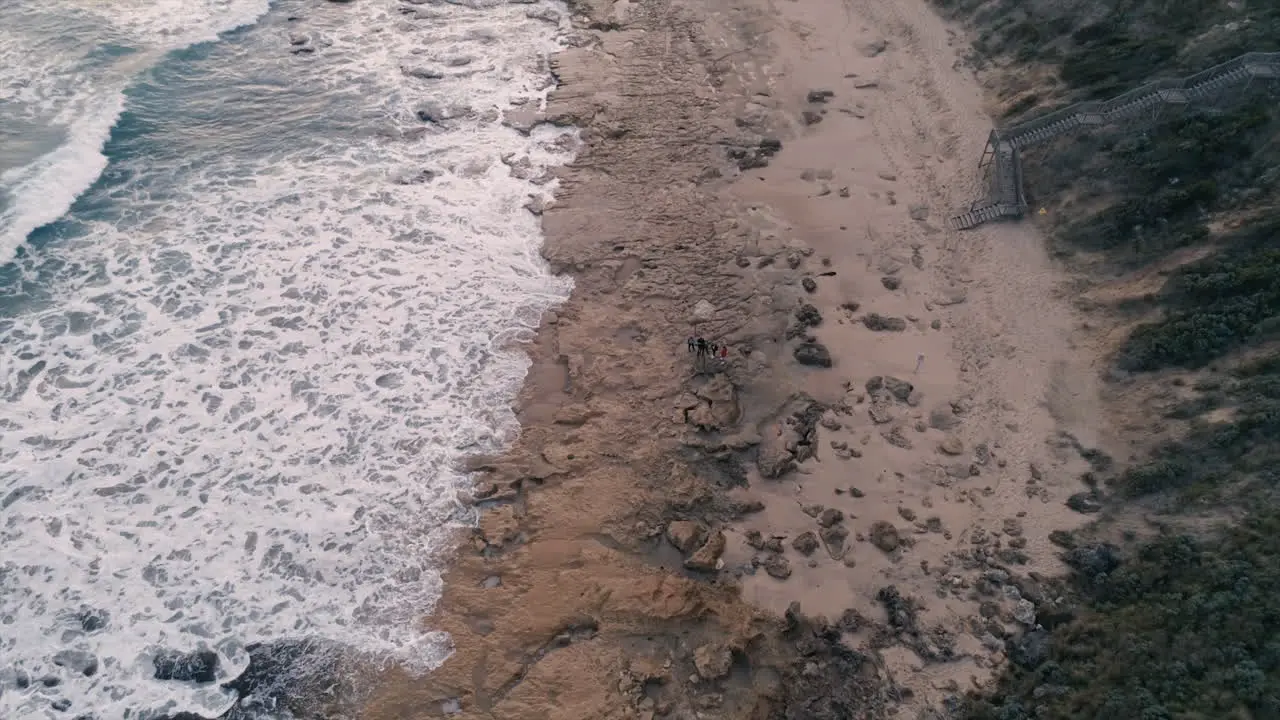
(639, 545)
(987, 322)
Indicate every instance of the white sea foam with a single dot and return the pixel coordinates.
(239, 418)
(53, 69)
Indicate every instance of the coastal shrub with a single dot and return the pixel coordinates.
(1183, 628)
(1214, 306)
(1163, 183)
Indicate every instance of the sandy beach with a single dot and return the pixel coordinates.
(850, 513)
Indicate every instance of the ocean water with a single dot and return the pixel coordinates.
(264, 268)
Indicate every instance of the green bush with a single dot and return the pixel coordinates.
(1214, 306)
(1184, 628)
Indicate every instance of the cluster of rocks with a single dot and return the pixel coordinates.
(749, 157)
(831, 535)
(816, 98)
(789, 442)
(885, 392)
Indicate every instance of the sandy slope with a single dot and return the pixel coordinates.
(571, 600)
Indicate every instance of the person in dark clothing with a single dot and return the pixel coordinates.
(702, 347)
(693, 344)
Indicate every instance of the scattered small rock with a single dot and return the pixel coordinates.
(875, 47)
(900, 389)
(830, 517)
(897, 438)
(906, 513)
(879, 414)
(778, 567)
(952, 445)
(1062, 539)
(811, 117)
(805, 543)
(808, 315)
(882, 323)
(885, 536)
(809, 284)
(819, 96)
(1025, 612)
(918, 212)
(891, 282)
(813, 510)
(1084, 502)
(855, 492)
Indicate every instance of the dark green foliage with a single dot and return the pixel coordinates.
(1108, 59)
(1166, 180)
(1184, 629)
(1239, 455)
(1214, 306)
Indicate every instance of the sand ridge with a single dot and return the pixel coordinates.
(772, 176)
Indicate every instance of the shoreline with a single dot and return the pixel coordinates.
(642, 546)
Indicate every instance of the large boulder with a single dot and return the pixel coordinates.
(774, 457)
(813, 354)
(198, 666)
(707, 557)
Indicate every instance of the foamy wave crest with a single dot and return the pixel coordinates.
(237, 419)
(56, 70)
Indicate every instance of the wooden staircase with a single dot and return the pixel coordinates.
(1209, 87)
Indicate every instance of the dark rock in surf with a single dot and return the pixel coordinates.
(92, 619)
(281, 674)
(199, 666)
(77, 661)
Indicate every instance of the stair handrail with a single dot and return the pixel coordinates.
(1004, 145)
(1014, 133)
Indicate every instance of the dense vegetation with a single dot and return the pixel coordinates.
(1180, 627)
(1184, 630)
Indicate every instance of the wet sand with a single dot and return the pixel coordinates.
(902, 406)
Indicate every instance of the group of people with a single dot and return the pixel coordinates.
(705, 349)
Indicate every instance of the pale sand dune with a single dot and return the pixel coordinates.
(568, 602)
